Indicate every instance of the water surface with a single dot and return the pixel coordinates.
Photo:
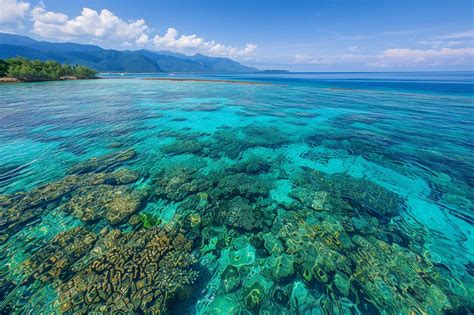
(317, 193)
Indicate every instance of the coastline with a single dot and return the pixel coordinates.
(15, 80)
(6, 80)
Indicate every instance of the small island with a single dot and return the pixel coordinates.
(20, 69)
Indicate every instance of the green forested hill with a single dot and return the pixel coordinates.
(34, 70)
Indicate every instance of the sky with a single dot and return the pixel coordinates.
(297, 35)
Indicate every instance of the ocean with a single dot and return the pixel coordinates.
(300, 193)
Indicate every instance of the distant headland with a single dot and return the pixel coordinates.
(23, 70)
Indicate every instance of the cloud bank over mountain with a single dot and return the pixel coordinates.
(105, 27)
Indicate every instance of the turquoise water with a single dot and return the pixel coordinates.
(347, 193)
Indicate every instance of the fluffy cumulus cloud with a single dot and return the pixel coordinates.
(12, 15)
(429, 57)
(106, 28)
(172, 40)
(12, 10)
(89, 25)
(217, 49)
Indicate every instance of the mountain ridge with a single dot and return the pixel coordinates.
(111, 60)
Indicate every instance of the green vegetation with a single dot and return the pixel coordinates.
(35, 70)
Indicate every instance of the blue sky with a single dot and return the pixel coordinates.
(323, 35)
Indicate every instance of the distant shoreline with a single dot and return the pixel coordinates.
(15, 80)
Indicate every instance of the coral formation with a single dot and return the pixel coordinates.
(137, 272)
(22, 208)
(56, 258)
(183, 147)
(269, 238)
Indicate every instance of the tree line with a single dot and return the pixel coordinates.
(35, 70)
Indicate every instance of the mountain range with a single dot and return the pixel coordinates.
(110, 60)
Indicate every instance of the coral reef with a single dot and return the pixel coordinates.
(175, 183)
(239, 213)
(340, 241)
(232, 143)
(56, 258)
(115, 272)
(269, 236)
(137, 272)
(22, 208)
(247, 186)
(183, 147)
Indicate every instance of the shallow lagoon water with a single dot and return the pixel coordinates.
(316, 193)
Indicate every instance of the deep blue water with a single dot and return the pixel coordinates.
(304, 193)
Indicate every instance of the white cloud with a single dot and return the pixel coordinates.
(465, 34)
(429, 57)
(216, 49)
(440, 43)
(106, 28)
(354, 48)
(331, 60)
(249, 49)
(171, 40)
(188, 43)
(12, 11)
(90, 25)
(143, 39)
